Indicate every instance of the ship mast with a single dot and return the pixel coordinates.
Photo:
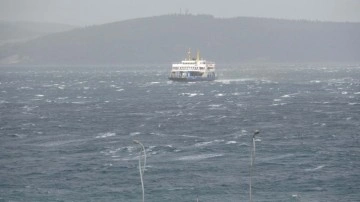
(189, 54)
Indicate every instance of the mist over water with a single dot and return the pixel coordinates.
(67, 134)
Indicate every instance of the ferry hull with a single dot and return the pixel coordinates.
(191, 79)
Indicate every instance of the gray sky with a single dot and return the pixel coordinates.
(89, 12)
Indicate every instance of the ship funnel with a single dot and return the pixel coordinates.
(189, 54)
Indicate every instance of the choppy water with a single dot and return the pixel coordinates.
(67, 134)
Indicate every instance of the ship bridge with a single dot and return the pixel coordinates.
(194, 64)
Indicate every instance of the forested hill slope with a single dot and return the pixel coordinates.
(21, 31)
(165, 39)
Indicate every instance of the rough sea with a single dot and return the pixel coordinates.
(66, 134)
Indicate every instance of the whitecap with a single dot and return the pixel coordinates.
(80, 103)
(231, 142)
(18, 135)
(278, 157)
(128, 148)
(111, 152)
(237, 93)
(127, 159)
(175, 188)
(192, 136)
(277, 100)
(119, 90)
(39, 95)
(219, 95)
(215, 105)
(151, 148)
(29, 108)
(201, 144)
(105, 135)
(286, 96)
(25, 88)
(28, 124)
(228, 81)
(315, 169)
(198, 157)
(134, 133)
(189, 94)
(240, 134)
(296, 196)
(277, 104)
(158, 134)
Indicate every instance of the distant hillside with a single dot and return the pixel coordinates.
(11, 32)
(165, 39)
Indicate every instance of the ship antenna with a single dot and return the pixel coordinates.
(252, 160)
(197, 56)
(189, 54)
(142, 167)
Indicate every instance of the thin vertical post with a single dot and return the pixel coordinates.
(142, 167)
(252, 161)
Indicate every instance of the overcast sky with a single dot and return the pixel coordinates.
(89, 12)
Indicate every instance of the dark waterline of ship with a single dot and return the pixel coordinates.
(67, 134)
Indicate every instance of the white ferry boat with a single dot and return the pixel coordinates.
(193, 69)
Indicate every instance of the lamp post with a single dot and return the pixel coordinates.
(252, 160)
(142, 167)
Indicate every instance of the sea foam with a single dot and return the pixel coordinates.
(199, 157)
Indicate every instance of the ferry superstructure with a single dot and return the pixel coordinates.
(193, 69)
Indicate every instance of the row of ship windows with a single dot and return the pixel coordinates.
(191, 63)
(194, 68)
